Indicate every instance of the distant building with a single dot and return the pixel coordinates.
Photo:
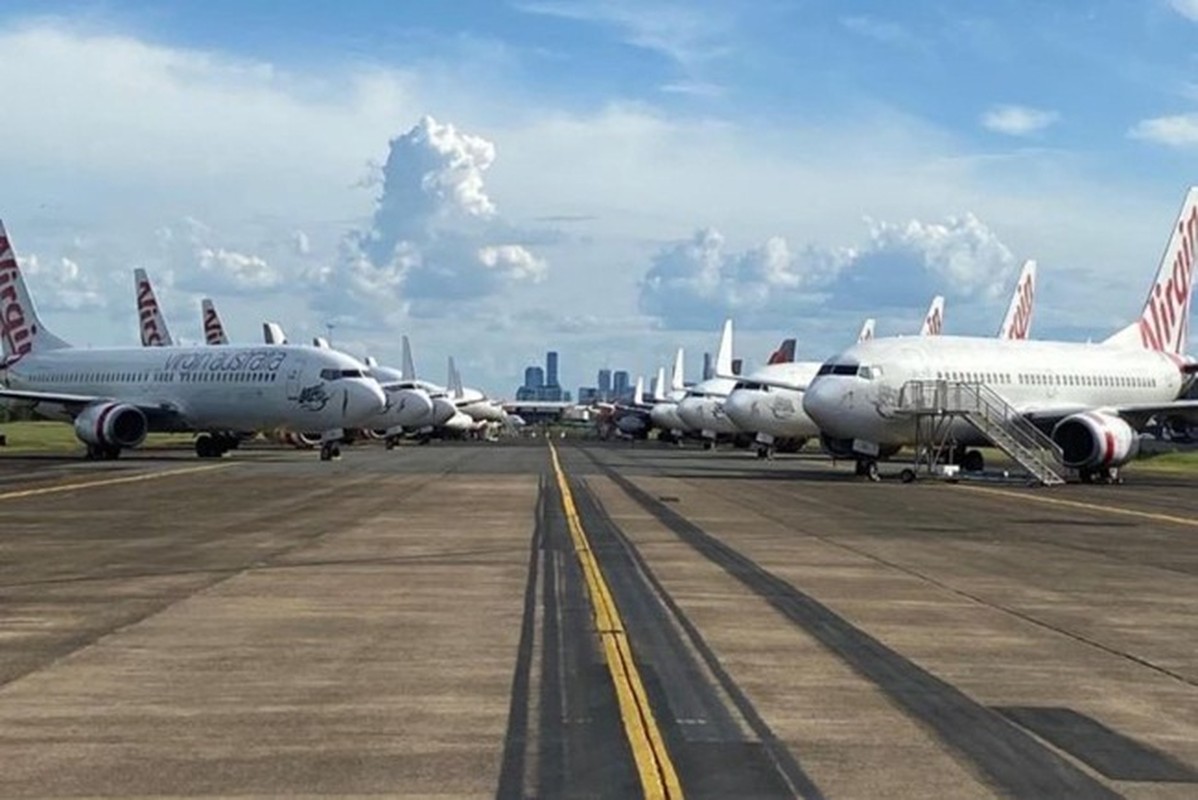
(551, 368)
(542, 384)
(605, 383)
(534, 378)
(588, 395)
(708, 369)
(619, 383)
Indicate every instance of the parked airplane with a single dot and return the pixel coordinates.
(1091, 399)
(154, 332)
(664, 414)
(115, 396)
(769, 402)
(702, 409)
(472, 402)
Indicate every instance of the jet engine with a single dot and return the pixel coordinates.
(1093, 439)
(111, 426)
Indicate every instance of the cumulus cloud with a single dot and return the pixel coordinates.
(189, 249)
(435, 234)
(1175, 131)
(61, 285)
(1018, 120)
(694, 283)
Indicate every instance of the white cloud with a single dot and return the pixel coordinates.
(1187, 8)
(1017, 120)
(514, 261)
(1176, 131)
(694, 283)
(61, 285)
(237, 271)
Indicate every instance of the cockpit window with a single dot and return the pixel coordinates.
(335, 374)
(751, 386)
(838, 369)
(869, 373)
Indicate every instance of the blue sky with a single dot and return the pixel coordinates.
(794, 164)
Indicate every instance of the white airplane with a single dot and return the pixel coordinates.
(214, 329)
(702, 409)
(472, 402)
(115, 396)
(446, 416)
(1092, 399)
(769, 402)
(664, 414)
(154, 332)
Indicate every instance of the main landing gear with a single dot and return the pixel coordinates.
(215, 445)
(1109, 475)
(330, 451)
(765, 450)
(102, 452)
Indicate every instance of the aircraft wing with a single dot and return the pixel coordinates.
(159, 415)
(1135, 414)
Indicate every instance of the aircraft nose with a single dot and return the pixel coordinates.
(741, 407)
(822, 401)
(690, 411)
(443, 410)
(414, 407)
(364, 399)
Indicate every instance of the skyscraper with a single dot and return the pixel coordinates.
(605, 383)
(551, 368)
(619, 385)
(534, 377)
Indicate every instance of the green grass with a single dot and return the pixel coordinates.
(1171, 462)
(26, 438)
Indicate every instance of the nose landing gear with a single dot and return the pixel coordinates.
(868, 468)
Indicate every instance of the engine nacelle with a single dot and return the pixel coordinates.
(1093, 439)
(111, 425)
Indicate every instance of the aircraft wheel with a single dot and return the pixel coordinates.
(112, 453)
(973, 461)
(709, 445)
(907, 475)
(389, 443)
(1085, 476)
(1113, 476)
(206, 446)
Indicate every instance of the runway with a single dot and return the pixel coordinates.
(427, 622)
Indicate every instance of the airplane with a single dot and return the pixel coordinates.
(769, 402)
(472, 402)
(115, 396)
(446, 417)
(702, 408)
(1090, 399)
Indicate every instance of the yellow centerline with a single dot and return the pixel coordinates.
(659, 779)
(141, 476)
(1056, 501)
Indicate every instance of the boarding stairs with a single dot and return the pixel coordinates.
(934, 404)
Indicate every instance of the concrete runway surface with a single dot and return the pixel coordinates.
(464, 620)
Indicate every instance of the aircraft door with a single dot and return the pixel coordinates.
(295, 376)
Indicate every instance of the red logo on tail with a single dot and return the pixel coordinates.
(1164, 323)
(16, 331)
(1022, 319)
(147, 310)
(213, 330)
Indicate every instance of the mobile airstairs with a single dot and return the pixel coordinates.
(934, 406)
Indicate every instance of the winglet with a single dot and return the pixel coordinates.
(867, 331)
(723, 358)
(214, 329)
(933, 323)
(1018, 322)
(409, 366)
(1164, 323)
(272, 333)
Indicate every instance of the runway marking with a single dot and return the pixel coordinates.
(659, 779)
(141, 476)
(1056, 501)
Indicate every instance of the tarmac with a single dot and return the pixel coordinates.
(465, 620)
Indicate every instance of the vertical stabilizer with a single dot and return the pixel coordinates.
(154, 332)
(785, 353)
(1164, 323)
(678, 376)
(214, 329)
(659, 385)
(21, 330)
(408, 365)
(867, 330)
(1018, 322)
(723, 357)
(638, 393)
(272, 333)
(933, 323)
(456, 388)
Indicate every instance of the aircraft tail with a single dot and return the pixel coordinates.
(1018, 322)
(678, 376)
(455, 380)
(154, 332)
(272, 333)
(867, 330)
(214, 329)
(659, 385)
(408, 365)
(723, 358)
(21, 330)
(1164, 324)
(638, 393)
(784, 354)
(321, 343)
(933, 323)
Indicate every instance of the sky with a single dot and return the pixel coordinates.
(609, 179)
